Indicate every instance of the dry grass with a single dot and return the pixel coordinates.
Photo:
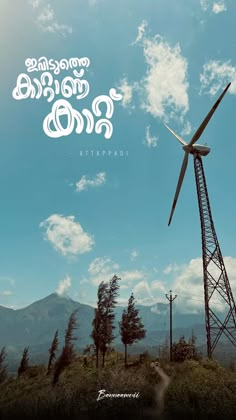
(198, 390)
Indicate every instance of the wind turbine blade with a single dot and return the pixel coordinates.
(176, 135)
(180, 181)
(208, 117)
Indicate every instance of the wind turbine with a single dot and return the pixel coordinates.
(214, 273)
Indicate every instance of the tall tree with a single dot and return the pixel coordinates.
(68, 352)
(98, 319)
(103, 323)
(52, 351)
(69, 334)
(3, 367)
(24, 364)
(108, 318)
(131, 326)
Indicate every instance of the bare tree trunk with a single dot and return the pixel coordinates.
(125, 355)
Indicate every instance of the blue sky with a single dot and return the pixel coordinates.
(71, 219)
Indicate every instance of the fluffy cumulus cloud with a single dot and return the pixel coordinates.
(46, 18)
(158, 287)
(84, 183)
(150, 141)
(102, 265)
(149, 292)
(103, 269)
(219, 7)
(216, 75)
(143, 293)
(63, 286)
(126, 90)
(66, 235)
(215, 6)
(187, 282)
(163, 91)
(165, 84)
(188, 285)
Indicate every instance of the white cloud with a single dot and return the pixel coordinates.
(164, 89)
(216, 75)
(216, 6)
(47, 15)
(66, 235)
(150, 292)
(185, 280)
(46, 19)
(141, 32)
(150, 141)
(143, 293)
(124, 286)
(103, 269)
(84, 281)
(165, 85)
(134, 255)
(6, 293)
(187, 129)
(35, 3)
(158, 286)
(63, 286)
(204, 4)
(172, 268)
(102, 265)
(84, 183)
(157, 310)
(219, 7)
(188, 285)
(131, 275)
(126, 91)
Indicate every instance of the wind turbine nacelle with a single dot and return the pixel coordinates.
(197, 148)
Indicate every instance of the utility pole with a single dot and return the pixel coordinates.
(171, 299)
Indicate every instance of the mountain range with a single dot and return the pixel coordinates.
(35, 326)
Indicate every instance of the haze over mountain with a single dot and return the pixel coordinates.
(35, 324)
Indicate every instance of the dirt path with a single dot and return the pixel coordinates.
(160, 389)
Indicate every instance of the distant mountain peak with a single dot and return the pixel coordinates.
(56, 296)
(62, 295)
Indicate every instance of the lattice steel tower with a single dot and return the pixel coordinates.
(215, 277)
(216, 282)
